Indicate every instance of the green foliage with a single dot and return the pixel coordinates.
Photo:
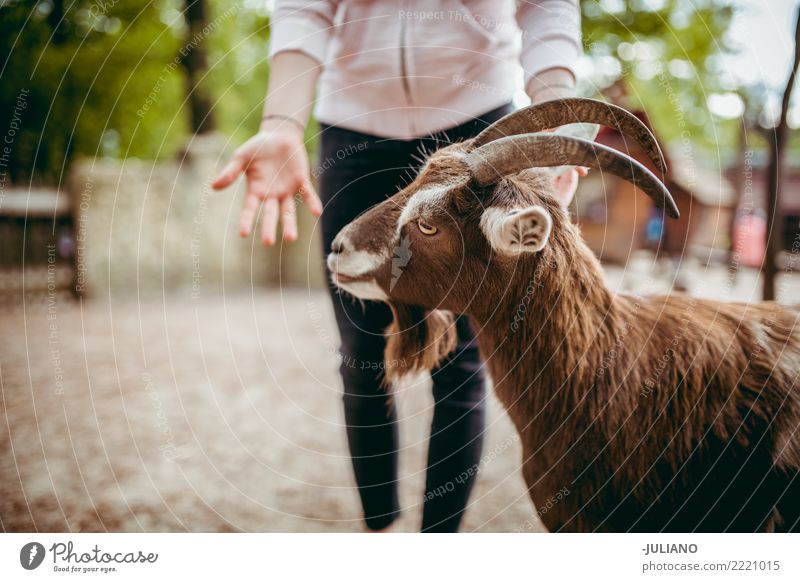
(105, 77)
(238, 69)
(665, 53)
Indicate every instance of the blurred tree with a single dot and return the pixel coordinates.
(106, 77)
(88, 67)
(196, 65)
(666, 54)
(238, 67)
(777, 151)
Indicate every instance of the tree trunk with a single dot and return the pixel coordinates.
(56, 18)
(195, 62)
(774, 178)
(738, 190)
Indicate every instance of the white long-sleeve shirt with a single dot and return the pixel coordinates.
(403, 69)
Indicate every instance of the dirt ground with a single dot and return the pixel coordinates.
(202, 415)
(221, 413)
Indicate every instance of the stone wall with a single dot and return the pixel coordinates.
(143, 227)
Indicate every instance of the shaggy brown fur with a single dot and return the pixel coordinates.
(655, 413)
(419, 338)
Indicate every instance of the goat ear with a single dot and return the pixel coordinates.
(517, 231)
(417, 339)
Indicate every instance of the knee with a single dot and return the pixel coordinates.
(463, 388)
(365, 397)
(359, 375)
(362, 371)
(460, 378)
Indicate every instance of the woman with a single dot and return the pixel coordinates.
(395, 79)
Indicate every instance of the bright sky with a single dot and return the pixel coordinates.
(764, 29)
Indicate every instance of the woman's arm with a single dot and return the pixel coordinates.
(551, 47)
(290, 93)
(551, 84)
(274, 161)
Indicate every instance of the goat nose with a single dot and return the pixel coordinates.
(337, 247)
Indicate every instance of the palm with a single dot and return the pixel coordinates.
(276, 168)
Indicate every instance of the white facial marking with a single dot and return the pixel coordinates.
(351, 262)
(515, 232)
(365, 290)
(424, 197)
(430, 195)
(355, 263)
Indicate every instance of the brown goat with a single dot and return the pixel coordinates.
(657, 413)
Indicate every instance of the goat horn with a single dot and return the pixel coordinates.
(510, 155)
(558, 112)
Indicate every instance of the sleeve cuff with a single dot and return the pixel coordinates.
(551, 84)
(299, 34)
(553, 53)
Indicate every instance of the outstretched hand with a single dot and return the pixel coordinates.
(275, 164)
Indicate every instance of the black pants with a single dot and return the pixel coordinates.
(357, 171)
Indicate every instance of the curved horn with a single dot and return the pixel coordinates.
(509, 155)
(558, 112)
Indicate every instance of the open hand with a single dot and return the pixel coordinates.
(275, 164)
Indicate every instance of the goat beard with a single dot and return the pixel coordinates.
(418, 339)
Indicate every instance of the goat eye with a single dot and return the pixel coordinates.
(426, 228)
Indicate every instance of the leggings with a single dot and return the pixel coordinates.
(357, 171)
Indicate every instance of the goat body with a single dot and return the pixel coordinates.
(648, 413)
(655, 413)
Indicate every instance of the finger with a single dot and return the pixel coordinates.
(228, 174)
(311, 197)
(289, 219)
(248, 215)
(566, 185)
(269, 221)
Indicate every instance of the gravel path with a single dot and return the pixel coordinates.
(214, 414)
(202, 415)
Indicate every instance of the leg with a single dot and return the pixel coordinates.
(354, 177)
(370, 415)
(360, 171)
(457, 429)
(459, 400)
